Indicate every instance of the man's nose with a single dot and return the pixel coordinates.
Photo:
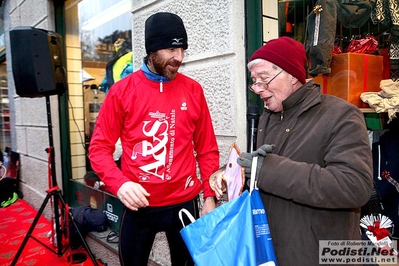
(178, 54)
(258, 89)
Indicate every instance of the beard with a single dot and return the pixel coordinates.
(160, 66)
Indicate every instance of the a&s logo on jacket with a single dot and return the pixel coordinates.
(157, 130)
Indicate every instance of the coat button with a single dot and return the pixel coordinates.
(287, 130)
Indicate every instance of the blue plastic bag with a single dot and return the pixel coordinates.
(223, 237)
(234, 234)
(265, 254)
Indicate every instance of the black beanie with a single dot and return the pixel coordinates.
(164, 30)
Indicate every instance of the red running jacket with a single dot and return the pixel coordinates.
(165, 128)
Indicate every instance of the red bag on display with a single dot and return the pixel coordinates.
(368, 45)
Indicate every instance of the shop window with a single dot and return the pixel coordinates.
(97, 34)
(5, 130)
(291, 17)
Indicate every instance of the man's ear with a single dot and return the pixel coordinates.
(294, 80)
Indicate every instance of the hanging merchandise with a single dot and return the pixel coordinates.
(386, 171)
(386, 12)
(321, 31)
(322, 23)
(353, 13)
(120, 65)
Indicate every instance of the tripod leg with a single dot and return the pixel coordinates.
(86, 246)
(57, 224)
(32, 227)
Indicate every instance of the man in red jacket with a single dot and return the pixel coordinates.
(165, 127)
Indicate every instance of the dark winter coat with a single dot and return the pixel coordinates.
(318, 176)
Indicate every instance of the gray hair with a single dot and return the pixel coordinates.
(259, 60)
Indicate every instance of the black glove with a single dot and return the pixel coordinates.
(245, 160)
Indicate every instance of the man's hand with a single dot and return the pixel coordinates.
(133, 195)
(219, 183)
(209, 205)
(245, 160)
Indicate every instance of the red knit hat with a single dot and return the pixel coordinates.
(286, 53)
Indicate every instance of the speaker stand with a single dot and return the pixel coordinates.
(53, 193)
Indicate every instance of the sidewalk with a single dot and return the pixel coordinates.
(16, 220)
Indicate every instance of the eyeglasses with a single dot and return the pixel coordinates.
(264, 84)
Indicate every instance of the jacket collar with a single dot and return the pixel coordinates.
(152, 76)
(312, 96)
(302, 99)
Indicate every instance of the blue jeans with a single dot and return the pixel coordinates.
(138, 229)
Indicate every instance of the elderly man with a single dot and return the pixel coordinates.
(315, 165)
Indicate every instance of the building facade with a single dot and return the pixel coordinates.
(221, 36)
(216, 57)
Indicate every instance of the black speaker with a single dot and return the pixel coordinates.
(37, 62)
